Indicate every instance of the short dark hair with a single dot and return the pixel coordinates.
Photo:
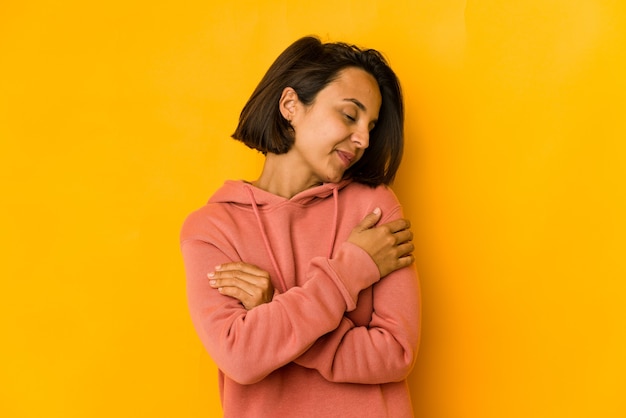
(307, 66)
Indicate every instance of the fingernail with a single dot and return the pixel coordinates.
(211, 274)
(377, 211)
(218, 267)
(212, 282)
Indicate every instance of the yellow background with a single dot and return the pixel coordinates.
(114, 124)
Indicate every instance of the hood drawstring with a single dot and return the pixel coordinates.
(335, 226)
(268, 248)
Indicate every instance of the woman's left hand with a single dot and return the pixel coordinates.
(244, 282)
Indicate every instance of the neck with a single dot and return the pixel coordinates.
(284, 177)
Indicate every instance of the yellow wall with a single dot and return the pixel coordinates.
(114, 124)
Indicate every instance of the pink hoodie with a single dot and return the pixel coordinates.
(335, 341)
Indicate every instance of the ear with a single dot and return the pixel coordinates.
(287, 103)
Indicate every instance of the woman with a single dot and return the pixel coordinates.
(300, 284)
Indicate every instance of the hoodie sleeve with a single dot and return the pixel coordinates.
(384, 350)
(249, 345)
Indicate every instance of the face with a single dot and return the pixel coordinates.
(332, 133)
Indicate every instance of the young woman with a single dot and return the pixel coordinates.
(301, 284)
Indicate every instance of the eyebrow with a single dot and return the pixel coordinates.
(357, 103)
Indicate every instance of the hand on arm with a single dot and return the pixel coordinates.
(245, 282)
(384, 350)
(247, 345)
(388, 244)
(304, 313)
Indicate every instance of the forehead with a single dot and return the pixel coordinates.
(354, 84)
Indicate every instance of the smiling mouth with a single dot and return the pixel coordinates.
(345, 157)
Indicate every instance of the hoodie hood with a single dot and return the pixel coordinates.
(244, 193)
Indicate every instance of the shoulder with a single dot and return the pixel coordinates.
(211, 220)
(382, 194)
(201, 223)
(368, 198)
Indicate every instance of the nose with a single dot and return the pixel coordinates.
(361, 137)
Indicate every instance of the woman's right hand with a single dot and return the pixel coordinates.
(390, 245)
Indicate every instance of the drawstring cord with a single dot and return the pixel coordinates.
(268, 248)
(335, 215)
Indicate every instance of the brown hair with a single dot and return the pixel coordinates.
(308, 66)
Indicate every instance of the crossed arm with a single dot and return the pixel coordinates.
(307, 324)
(389, 245)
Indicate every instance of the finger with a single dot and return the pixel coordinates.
(405, 249)
(234, 291)
(397, 225)
(370, 220)
(237, 293)
(233, 283)
(241, 266)
(234, 276)
(403, 236)
(406, 261)
(247, 294)
(245, 299)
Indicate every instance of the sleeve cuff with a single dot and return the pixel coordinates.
(354, 270)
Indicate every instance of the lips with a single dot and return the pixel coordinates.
(345, 157)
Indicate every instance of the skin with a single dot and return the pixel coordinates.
(331, 134)
(335, 125)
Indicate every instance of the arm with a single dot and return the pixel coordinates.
(248, 345)
(389, 245)
(384, 351)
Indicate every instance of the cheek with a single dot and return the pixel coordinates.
(323, 131)
(334, 129)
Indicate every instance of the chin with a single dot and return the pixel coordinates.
(334, 179)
